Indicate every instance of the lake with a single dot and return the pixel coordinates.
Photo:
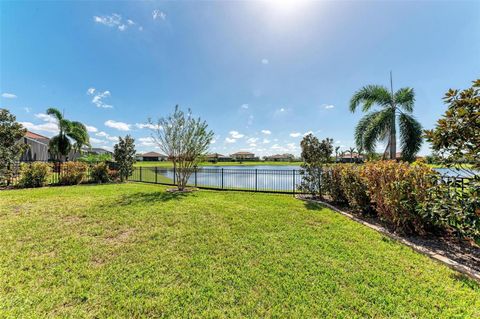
(260, 177)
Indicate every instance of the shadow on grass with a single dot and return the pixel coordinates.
(150, 198)
(466, 281)
(314, 206)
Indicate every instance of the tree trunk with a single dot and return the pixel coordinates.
(393, 139)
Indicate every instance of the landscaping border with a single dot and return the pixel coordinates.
(421, 249)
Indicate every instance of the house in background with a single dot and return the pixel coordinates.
(351, 158)
(98, 151)
(216, 157)
(37, 148)
(280, 158)
(151, 157)
(244, 156)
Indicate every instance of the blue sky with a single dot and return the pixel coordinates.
(261, 74)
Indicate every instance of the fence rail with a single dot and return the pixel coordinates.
(255, 180)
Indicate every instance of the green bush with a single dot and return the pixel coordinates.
(355, 189)
(34, 174)
(331, 180)
(72, 173)
(100, 173)
(397, 190)
(455, 210)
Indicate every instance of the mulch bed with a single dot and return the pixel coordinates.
(460, 251)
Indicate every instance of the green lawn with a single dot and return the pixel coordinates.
(135, 250)
(169, 164)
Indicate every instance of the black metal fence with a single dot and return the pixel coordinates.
(255, 180)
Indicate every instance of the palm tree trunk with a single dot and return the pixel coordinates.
(393, 139)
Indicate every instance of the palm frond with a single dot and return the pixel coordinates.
(55, 113)
(370, 95)
(410, 136)
(362, 127)
(405, 97)
(378, 128)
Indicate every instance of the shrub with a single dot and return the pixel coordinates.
(34, 175)
(114, 175)
(331, 179)
(72, 173)
(397, 189)
(453, 209)
(355, 189)
(100, 173)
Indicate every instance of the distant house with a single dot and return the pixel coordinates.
(216, 157)
(37, 147)
(351, 158)
(151, 157)
(98, 151)
(280, 158)
(243, 156)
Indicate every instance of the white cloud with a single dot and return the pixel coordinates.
(44, 127)
(147, 141)
(27, 109)
(121, 126)
(98, 97)
(252, 140)
(107, 136)
(329, 106)
(244, 106)
(266, 141)
(266, 132)
(146, 125)
(265, 61)
(9, 95)
(295, 134)
(91, 129)
(157, 14)
(235, 135)
(230, 140)
(308, 132)
(114, 21)
(46, 118)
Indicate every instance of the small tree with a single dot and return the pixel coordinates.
(456, 138)
(184, 140)
(11, 145)
(314, 154)
(124, 155)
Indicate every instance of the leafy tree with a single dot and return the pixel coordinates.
(382, 124)
(11, 145)
(185, 140)
(95, 158)
(314, 154)
(124, 155)
(61, 144)
(456, 137)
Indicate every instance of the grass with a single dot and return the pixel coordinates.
(169, 164)
(134, 250)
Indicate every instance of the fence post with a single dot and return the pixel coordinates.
(222, 177)
(195, 176)
(256, 179)
(140, 173)
(156, 173)
(293, 186)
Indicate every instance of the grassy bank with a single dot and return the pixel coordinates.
(135, 250)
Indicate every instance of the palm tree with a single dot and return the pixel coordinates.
(382, 124)
(351, 150)
(61, 144)
(337, 150)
